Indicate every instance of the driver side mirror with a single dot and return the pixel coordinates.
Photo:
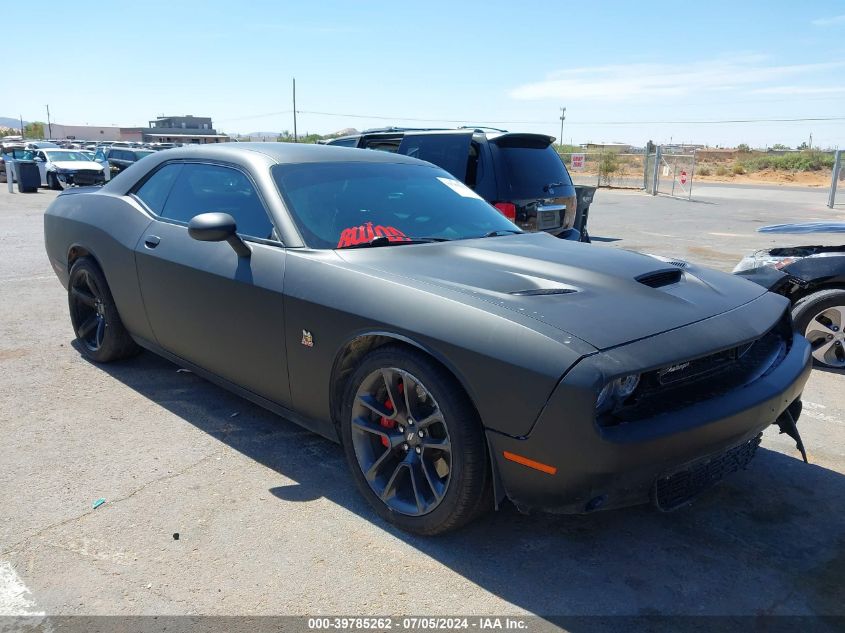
(218, 227)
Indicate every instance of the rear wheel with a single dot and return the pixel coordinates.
(820, 317)
(414, 442)
(94, 316)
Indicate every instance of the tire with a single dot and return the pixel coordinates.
(452, 487)
(53, 182)
(93, 314)
(820, 317)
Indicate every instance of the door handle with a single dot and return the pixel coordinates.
(151, 241)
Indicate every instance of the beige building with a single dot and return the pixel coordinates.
(173, 129)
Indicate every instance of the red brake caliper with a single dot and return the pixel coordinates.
(387, 423)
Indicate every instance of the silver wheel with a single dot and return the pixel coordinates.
(827, 337)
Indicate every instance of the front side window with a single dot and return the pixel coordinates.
(341, 204)
(213, 188)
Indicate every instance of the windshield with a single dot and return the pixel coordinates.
(139, 154)
(337, 205)
(59, 156)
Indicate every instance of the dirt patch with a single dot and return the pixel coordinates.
(9, 354)
(773, 177)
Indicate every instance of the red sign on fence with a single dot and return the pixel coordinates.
(683, 178)
(578, 161)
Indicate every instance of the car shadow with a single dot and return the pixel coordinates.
(767, 541)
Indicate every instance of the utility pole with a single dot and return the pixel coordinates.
(811, 141)
(562, 119)
(22, 132)
(49, 125)
(295, 138)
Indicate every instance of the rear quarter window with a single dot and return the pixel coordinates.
(344, 142)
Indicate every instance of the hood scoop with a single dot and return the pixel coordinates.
(539, 292)
(660, 278)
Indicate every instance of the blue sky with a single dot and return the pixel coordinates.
(511, 64)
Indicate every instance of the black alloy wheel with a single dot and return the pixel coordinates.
(401, 441)
(93, 314)
(414, 442)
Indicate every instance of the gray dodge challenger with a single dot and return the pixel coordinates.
(376, 300)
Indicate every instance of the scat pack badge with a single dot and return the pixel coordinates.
(307, 339)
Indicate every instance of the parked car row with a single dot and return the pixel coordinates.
(63, 167)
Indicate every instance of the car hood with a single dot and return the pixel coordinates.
(77, 165)
(597, 294)
(804, 227)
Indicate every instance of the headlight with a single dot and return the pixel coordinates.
(616, 391)
(604, 397)
(627, 385)
(761, 259)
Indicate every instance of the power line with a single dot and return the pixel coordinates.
(544, 122)
(689, 122)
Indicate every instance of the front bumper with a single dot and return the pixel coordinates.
(81, 178)
(602, 468)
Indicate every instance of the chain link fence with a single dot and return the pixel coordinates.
(605, 169)
(676, 174)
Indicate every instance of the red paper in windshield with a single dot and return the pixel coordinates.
(367, 233)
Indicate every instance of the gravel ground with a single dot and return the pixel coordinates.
(269, 522)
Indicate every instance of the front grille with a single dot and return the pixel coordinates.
(677, 489)
(86, 177)
(697, 380)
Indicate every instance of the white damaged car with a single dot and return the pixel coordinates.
(62, 168)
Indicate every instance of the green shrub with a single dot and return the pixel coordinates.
(608, 166)
(721, 170)
(704, 170)
(809, 160)
(738, 168)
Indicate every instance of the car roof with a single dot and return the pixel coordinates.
(291, 153)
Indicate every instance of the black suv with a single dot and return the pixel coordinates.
(520, 174)
(119, 158)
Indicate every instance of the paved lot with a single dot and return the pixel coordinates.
(267, 517)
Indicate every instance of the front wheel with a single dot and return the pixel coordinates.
(820, 317)
(53, 182)
(96, 322)
(414, 443)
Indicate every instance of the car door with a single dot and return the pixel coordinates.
(41, 161)
(205, 304)
(102, 160)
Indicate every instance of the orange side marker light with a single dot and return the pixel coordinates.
(519, 459)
